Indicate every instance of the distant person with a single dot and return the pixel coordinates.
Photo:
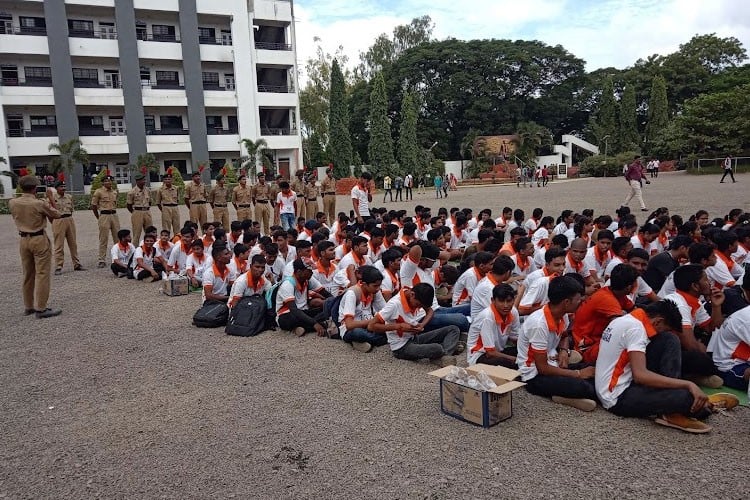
(398, 184)
(387, 184)
(727, 169)
(409, 185)
(438, 186)
(633, 176)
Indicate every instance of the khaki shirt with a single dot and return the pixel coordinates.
(196, 192)
(262, 192)
(219, 194)
(311, 191)
(328, 185)
(64, 203)
(167, 195)
(297, 186)
(30, 213)
(274, 191)
(242, 196)
(104, 199)
(139, 197)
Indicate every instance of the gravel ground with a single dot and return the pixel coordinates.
(120, 398)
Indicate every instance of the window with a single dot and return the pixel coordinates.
(210, 80)
(213, 122)
(167, 77)
(32, 22)
(78, 27)
(85, 74)
(171, 122)
(122, 173)
(229, 81)
(140, 30)
(97, 121)
(150, 123)
(226, 37)
(108, 30)
(206, 35)
(163, 32)
(6, 24)
(37, 74)
(43, 121)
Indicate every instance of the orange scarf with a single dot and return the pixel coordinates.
(219, 273)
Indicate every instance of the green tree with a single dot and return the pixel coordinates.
(408, 147)
(657, 110)
(385, 50)
(338, 124)
(531, 138)
(629, 138)
(380, 149)
(69, 154)
(258, 154)
(604, 121)
(96, 182)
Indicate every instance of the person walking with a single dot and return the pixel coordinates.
(104, 206)
(387, 182)
(633, 176)
(727, 170)
(545, 176)
(398, 184)
(30, 215)
(409, 185)
(64, 228)
(438, 186)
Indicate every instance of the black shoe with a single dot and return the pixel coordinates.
(48, 313)
(79, 267)
(101, 265)
(644, 210)
(58, 271)
(28, 312)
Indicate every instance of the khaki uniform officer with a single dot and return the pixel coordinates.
(64, 228)
(262, 200)
(275, 190)
(242, 199)
(328, 189)
(167, 197)
(104, 206)
(219, 199)
(311, 199)
(139, 206)
(298, 186)
(30, 215)
(196, 196)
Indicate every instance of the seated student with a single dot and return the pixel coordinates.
(208, 236)
(643, 294)
(122, 253)
(218, 277)
(238, 264)
(582, 229)
(515, 223)
(177, 262)
(356, 258)
(646, 237)
(607, 303)
(287, 252)
(599, 256)
(740, 256)
(345, 247)
(575, 263)
(252, 240)
(543, 350)
(147, 266)
(541, 237)
(423, 225)
(736, 297)
(220, 237)
(600, 224)
(390, 235)
(726, 271)
(408, 234)
(492, 328)
(514, 234)
(235, 234)
(300, 226)
(299, 301)
(404, 320)
(731, 348)
(621, 246)
(698, 253)
(274, 263)
(663, 264)
(499, 273)
(164, 247)
(325, 268)
(152, 230)
(522, 258)
(375, 247)
(558, 241)
(197, 263)
(459, 235)
(308, 229)
(190, 226)
(438, 237)
(535, 295)
(250, 282)
(626, 227)
(692, 284)
(391, 263)
(532, 223)
(638, 371)
(304, 251)
(464, 287)
(501, 223)
(483, 235)
(358, 306)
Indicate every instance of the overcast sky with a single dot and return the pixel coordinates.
(602, 32)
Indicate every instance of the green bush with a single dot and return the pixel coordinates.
(598, 166)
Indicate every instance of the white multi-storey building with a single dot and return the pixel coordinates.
(184, 80)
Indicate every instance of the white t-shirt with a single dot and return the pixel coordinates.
(561, 228)
(290, 291)
(178, 257)
(691, 309)
(236, 266)
(220, 284)
(374, 253)
(244, 286)
(391, 282)
(722, 275)
(528, 267)
(122, 254)
(482, 296)
(359, 310)
(731, 342)
(198, 266)
(397, 310)
(540, 236)
(535, 295)
(361, 195)
(592, 262)
(411, 274)
(613, 263)
(464, 287)
(613, 372)
(581, 268)
(286, 203)
(164, 251)
(325, 277)
(148, 259)
(458, 240)
(490, 332)
(539, 334)
(352, 259)
(530, 225)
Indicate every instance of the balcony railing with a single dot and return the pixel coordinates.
(272, 46)
(277, 131)
(222, 131)
(161, 84)
(27, 30)
(213, 40)
(214, 86)
(97, 132)
(33, 82)
(150, 37)
(278, 89)
(168, 131)
(35, 132)
(95, 84)
(104, 35)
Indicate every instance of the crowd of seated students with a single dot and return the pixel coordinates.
(632, 315)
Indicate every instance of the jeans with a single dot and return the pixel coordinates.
(300, 318)
(438, 191)
(364, 335)
(510, 351)
(388, 192)
(143, 274)
(449, 316)
(409, 193)
(566, 387)
(287, 221)
(735, 378)
(431, 345)
(696, 363)
(399, 194)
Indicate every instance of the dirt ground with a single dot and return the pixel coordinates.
(121, 398)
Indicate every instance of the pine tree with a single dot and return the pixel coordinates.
(408, 147)
(629, 139)
(380, 148)
(338, 124)
(604, 122)
(658, 116)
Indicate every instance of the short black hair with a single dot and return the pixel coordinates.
(605, 234)
(304, 244)
(503, 291)
(389, 256)
(521, 243)
(187, 231)
(358, 240)
(424, 293)
(560, 240)
(123, 233)
(503, 264)
(493, 245)
(699, 251)
(271, 249)
(638, 253)
(619, 244)
(217, 249)
(668, 311)
(258, 259)
(391, 229)
(562, 288)
(410, 228)
(366, 176)
(483, 258)
(239, 248)
(681, 240)
(623, 277)
(370, 274)
(554, 253)
(283, 185)
(725, 239)
(686, 275)
(324, 245)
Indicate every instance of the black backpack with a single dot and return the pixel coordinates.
(333, 304)
(211, 315)
(248, 317)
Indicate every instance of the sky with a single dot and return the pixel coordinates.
(602, 32)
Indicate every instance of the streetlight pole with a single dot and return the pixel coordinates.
(606, 144)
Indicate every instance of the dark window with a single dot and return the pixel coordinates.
(206, 35)
(171, 122)
(150, 123)
(180, 165)
(32, 24)
(43, 121)
(163, 32)
(37, 74)
(85, 74)
(6, 24)
(140, 31)
(232, 124)
(213, 121)
(78, 27)
(210, 80)
(167, 77)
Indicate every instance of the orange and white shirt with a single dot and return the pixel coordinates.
(629, 333)
(459, 237)
(535, 295)
(540, 334)
(148, 258)
(524, 265)
(246, 286)
(725, 273)
(531, 225)
(740, 256)
(359, 309)
(581, 268)
(411, 274)
(238, 267)
(692, 311)
(286, 203)
(164, 249)
(353, 259)
(216, 279)
(178, 257)
(391, 281)
(290, 290)
(482, 296)
(490, 331)
(373, 253)
(731, 343)
(397, 310)
(596, 261)
(198, 265)
(540, 237)
(464, 287)
(638, 242)
(325, 276)
(532, 277)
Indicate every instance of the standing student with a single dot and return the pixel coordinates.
(358, 307)
(196, 197)
(727, 169)
(64, 228)
(104, 206)
(438, 181)
(492, 328)
(286, 201)
(219, 200)
(30, 216)
(398, 184)
(361, 198)
(387, 183)
(167, 197)
(139, 206)
(633, 176)
(409, 185)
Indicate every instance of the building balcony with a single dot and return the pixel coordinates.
(277, 131)
(274, 57)
(219, 99)
(221, 131)
(104, 35)
(12, 43)
(224, 142)
(215, 86)
(150, 37)
(29, 82)
(277, 89)
(156, 50)
(28, 94)
(92, 132)
(94, 46)
(105, 144)
(27, 30)
(162, 85)
(272, 46)
(178, 143)
(216, 53)
(34, 132)
(168, 131)
(31, 145)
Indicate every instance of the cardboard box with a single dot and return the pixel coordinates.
(485, 408)
(174, 287)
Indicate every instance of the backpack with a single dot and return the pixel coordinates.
(211, 315)
(248, 317)
(273, 292)
(333, 304)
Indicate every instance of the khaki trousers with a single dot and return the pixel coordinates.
(244, 213)
(329, 207)
(36, 259)
(139, 221)
(62, 230)
(311, 208)
(108, 223)
(198, 214)
(300, 205)
(263, 214)
(635, 192)
(221, 214)
(170, 219)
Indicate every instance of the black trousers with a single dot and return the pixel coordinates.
(299, 318)
(143, 274)
(117, 269)
(409, 193)
(510, 351)
(696, 363)
(566, 387)
(731, 174)
(399, 194)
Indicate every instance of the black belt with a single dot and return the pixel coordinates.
(197, 202)
(63, 216)
(141, 208)
(332, 192)
(261, 201)
(29, 235)
(312, 199)
(219, 206)
(108, 212)
(169, 204)
(244, 206)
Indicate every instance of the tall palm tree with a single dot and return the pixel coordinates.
(531, 138)
(70, 154)
(257, 154)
